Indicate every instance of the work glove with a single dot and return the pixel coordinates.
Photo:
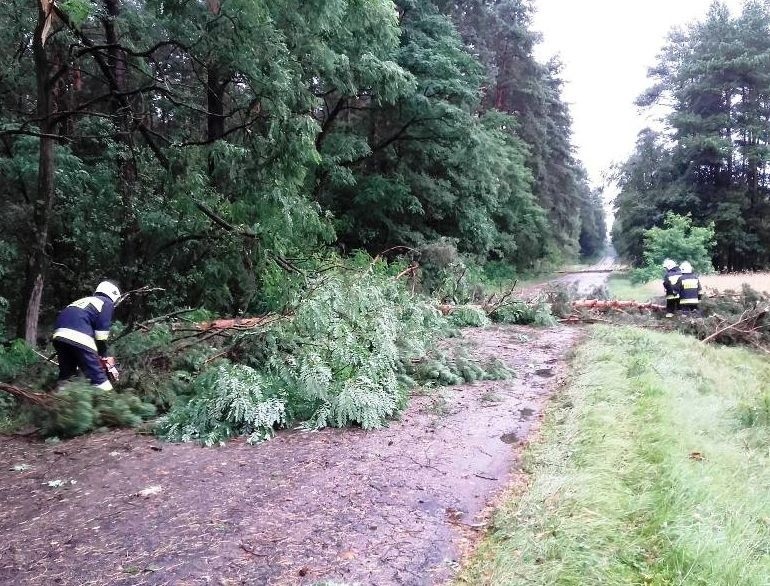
(111, 368)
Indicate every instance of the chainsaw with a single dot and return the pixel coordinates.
(108, 363)
(109, 366)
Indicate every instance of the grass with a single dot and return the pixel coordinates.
(621, 287)
(653, 468)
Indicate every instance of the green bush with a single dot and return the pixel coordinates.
(678, 240)
(334, 362)
(449, 276)
(8, 410)
(439, 368)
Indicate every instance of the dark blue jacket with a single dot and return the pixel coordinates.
(689, 289)
(670, 280)
(86, 323)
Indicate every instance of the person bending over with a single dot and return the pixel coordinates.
(81, 332)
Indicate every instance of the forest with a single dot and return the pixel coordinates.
(368, 328)
(710, 156)
(223, 150)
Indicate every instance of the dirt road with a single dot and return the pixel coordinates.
(394, 506)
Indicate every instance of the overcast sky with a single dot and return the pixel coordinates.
(606, 47)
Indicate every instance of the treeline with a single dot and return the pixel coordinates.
(217, 148)
(712, 159)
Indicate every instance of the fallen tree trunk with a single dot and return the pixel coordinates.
(41, 399)
(608, 304)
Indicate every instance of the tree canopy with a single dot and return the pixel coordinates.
(711, 161)
(212, 147)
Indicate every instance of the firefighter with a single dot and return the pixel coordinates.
(81, 333)
(670, 279)
(689, 289)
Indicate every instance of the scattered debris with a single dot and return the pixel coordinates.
(150, 491)
(58, 483)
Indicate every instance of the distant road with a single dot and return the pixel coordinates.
(589, 278)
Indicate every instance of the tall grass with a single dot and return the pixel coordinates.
(648, 472)
(621, 287)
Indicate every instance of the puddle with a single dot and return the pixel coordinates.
(526, 412)
(509, 438)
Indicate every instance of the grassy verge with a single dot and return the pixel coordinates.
(653, 468)
(621, 287)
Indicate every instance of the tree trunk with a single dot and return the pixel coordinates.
(118, 62)
(46, 191)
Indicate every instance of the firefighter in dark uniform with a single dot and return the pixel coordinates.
(670, 279)
(689, 289)
(81, 332)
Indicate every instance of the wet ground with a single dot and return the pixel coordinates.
(394, 506)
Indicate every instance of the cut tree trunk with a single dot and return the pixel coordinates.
(606, 305)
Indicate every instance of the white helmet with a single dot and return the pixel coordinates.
(668, 264)
(686, 267)
(109, 289)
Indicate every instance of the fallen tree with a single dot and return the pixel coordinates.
(618, 304)
(39, 399)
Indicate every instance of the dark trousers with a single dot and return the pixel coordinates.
(689, 308)
(72, 357)
(672, 305)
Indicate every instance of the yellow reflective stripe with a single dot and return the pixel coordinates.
(75, 336)
(687, 284)
(86, 301)
(672, 296)
(688, 301)
(101, 334)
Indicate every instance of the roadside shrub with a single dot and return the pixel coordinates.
(72, 415)
(442, 369)
(448, 275)
(678, 239)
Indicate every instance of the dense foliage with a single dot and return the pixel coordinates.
(677, 239)
(218, 149)
(348, 353)
(713, 158)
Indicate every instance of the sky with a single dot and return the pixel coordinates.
(607, 47)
